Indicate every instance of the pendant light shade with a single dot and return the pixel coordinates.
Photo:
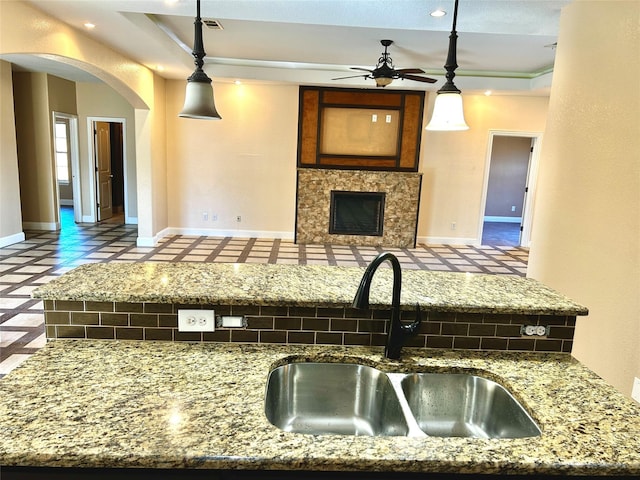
(448, 114)
(198, 100)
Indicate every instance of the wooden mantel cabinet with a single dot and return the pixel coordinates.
(360, 128)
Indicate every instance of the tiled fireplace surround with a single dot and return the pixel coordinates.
(402, 191)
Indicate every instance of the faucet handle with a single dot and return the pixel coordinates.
(412, 328)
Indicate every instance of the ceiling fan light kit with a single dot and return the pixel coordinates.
(448, 113)
(198, 101)
(384, 72)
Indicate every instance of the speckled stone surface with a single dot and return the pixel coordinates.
(167, 405)
(296, 285)
(400, 207)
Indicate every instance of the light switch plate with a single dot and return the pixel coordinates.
(635, 392)
(228, 321)
(196, 321)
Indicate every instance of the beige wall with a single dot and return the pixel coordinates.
(159, 143)
(453, 163)
(100, 100)
(62, 99)
(507, 176)
(243, 165)
(10, 210)
(34, 142)
(586, 240)
(62, 95)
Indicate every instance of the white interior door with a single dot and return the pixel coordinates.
(104, 177)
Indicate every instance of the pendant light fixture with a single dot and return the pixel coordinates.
(448, 114)
(198, 101)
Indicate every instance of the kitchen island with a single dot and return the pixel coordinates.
(183, 409)
(185, 406)
(305, 304)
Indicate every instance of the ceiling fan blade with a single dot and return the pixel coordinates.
(363, 69)
(351, 76)
(419, 79)
(402, 71)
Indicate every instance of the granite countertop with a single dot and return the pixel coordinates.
(179, 405)
(295, 285)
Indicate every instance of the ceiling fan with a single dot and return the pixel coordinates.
(385, 73)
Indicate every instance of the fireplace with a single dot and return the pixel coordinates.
(356, 213)
(392, 218)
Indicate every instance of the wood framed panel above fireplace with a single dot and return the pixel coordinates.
(360, 129)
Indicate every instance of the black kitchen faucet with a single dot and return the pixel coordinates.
(397, 333)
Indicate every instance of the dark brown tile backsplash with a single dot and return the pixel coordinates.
(305, 325)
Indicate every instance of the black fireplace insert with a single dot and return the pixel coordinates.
(356, 213)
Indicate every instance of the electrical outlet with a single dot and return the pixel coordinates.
(214, 218)
(205, 216)
(453, 225)
(635, 392)
(513, 208)
(196, 321)
(534, 330)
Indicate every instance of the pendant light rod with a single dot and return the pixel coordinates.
(452, 62)
(198, 50)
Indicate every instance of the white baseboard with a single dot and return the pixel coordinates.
(44, 226)
(211, 232)
(88, 219)
(490, 218)
(131, 220)
(151, 241)
(11, 239)
(447, 241)
(67, 202)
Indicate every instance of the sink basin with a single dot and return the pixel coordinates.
(461, 405)
(333, 398)
(350, 399)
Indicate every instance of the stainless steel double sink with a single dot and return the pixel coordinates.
(352, 399)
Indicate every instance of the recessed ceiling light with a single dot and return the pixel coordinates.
(160, 68)
(89, 26)
(438, 13)
(488, 92)
(238, 82)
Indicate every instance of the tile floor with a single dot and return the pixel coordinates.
(44, 256)
(501, 233)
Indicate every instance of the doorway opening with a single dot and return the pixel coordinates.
(109, 163)
(510, 173)
(67, 166)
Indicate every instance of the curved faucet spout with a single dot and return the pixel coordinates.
(397, 332)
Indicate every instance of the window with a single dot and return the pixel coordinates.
(62, 151)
